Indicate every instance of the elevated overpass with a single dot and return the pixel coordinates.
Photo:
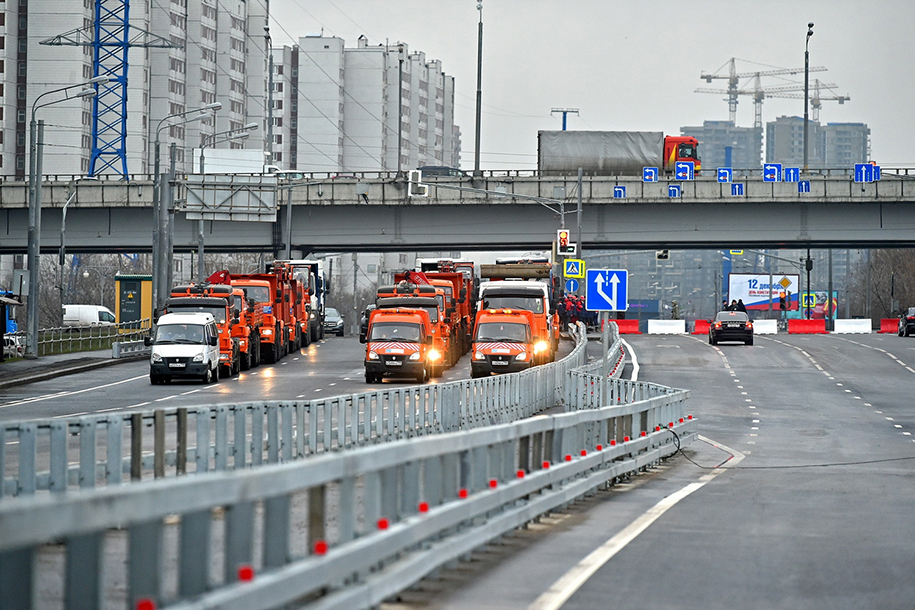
(373, 212)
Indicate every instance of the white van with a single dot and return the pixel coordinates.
(88, 315)
(184, 345)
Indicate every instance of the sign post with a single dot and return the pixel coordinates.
(606, 290)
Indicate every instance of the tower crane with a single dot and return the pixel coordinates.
(816, 100)
(733, 77)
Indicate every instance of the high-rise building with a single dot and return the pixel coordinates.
(785, 142)
(722, 144)
(339, 109)
(845, 144)
(215, 59)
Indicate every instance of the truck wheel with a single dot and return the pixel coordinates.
(225, 371)
(207, 377)
(246, 360)
(422, 376)
(269, 353)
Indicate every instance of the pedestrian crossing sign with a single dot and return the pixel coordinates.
(573, 267)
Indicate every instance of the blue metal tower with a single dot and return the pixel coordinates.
(110, 40)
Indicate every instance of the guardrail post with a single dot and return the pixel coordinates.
(287, 435)
(181, 441)
(241, 439)
(257, 435)
(276, 531)
(114, 462)
(371, 500)
(57, 481)
(239, 538)
(83, 588)
(2, 460)
(158, 443)
(273, 434)
(347, 523)
(17, 574)
(221, 449)
(409, 490)
(144, 551)
(136, 446)
(202, 428)
(316, 515)
(27, 432)
(432, 481)
(87, 429)
(524, 449)
(194, 553)
(389, 497)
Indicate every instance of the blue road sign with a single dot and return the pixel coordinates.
(772, 172)
(803, 186)
(650, 174)
(725, 174)
(573, 267)
(571, 285)
(737, 189)
(685, 170)
(876, 173)
(607, 290)
(674, 190)
(619, 192)
(864, 172)
(792, 174)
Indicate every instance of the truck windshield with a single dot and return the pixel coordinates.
(260, 294)
(219, 313)
(527, 303)
(394, 331)
(503, 331)
(688, 151)
(179, 333)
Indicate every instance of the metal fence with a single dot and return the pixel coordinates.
(112, 448)
(339, 530)
(68, 339)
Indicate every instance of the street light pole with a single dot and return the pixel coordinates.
(806, 87)
(476, 152)
(101, 283)
(36, 145)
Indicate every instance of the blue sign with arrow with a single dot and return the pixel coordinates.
(792, 174)
(650, 174)
(607, 290)
(685, 170)
(725, 174)
(772, 172)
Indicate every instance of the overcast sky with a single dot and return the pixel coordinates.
(634, 65)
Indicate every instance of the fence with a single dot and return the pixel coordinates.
(107, 449)
(339, 530)
(68, 339)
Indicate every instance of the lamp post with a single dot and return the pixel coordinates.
(160, 215)
(62, 255)
(101, 285)
(212, 140)
(476, 152)
(36, 144)
(806, 86)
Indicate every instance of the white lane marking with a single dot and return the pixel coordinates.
(74, 393)
(71, 415)
(570, 582)
(633, 358)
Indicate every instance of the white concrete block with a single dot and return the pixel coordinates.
(853, 326)
(666, 327)
(765, 327)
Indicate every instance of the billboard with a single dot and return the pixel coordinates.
(753, 289)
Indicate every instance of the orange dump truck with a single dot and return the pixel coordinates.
(399, 342)
(266, 292)
(504, 342)
(248, 316)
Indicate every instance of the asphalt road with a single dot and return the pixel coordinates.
(816, 511)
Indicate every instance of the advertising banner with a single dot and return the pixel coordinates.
(753, 290)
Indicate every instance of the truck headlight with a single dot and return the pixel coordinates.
(198, 357)
(414, 356)
(541, 346)
(522, 357)
(433, 355)
(479, 356)
(156, 358)
(267, 332)
(373, 356)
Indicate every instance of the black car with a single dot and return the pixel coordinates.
(333, 322)
(907, 322)
(731, 326)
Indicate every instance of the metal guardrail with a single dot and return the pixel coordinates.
(109, 449)
(404, 508)
(128, 349)
(67, 339)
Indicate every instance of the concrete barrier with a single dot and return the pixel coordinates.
(700, 327)
(889, 325)
(128, 349)
(853, 326)
(806, 327)
(628, 327)
(666, 327)
(765, 327)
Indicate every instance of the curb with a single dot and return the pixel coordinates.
(53, 371)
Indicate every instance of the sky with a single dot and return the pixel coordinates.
(634, 65)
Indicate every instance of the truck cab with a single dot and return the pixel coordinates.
(184, 345)
(399, 343)
(531, 296)
(503, 342)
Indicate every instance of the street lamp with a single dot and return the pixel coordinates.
(101, 285)
(476, 152)
(806, 86)
(212, 140)
(36, 144)
(160, 215)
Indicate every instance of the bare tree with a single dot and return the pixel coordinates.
(892, 283)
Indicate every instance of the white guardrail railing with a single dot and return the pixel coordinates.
(341, 529)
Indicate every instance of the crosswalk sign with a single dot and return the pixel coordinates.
(573, 267)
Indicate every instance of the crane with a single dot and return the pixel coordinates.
(733, 77)
(816, 101)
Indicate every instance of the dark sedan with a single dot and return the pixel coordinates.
(907, 322)
(731, 326)
(333, 322)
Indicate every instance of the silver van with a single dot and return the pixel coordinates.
(184, 345)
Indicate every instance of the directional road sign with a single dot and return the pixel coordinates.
(571, 285)
(685, 170)
(725, 174)
(650, 174)
(674, 190)
(737, 189)
(772, 172)
(607, 290)
(792, 174)
(619, 192)
(573, 267)
(864, 172)
(803, 186)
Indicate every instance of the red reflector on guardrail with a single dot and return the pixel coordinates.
(245, 573)
(383, 524)
(424, 507)
(320, 547)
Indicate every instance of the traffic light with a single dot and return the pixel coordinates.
(562, 242)
(782, 303)
(662, 255)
